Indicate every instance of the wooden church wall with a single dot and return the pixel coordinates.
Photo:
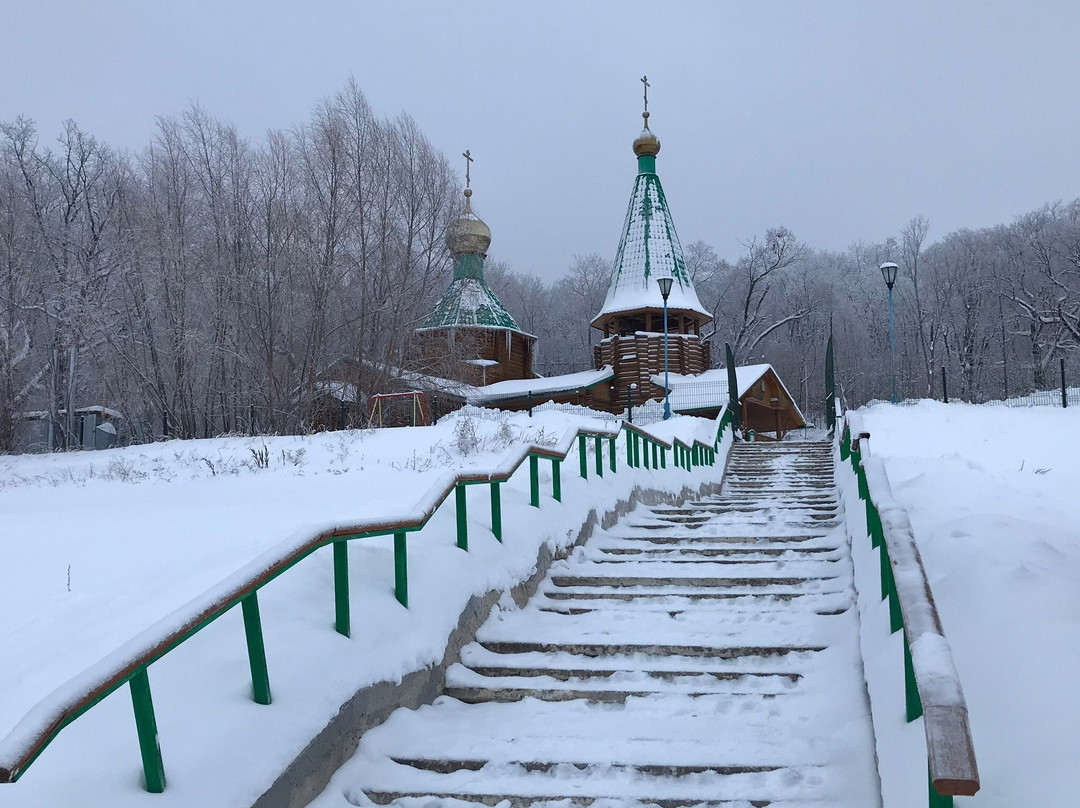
(638, 357)
(446, 353)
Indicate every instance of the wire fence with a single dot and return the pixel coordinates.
(1060, 396)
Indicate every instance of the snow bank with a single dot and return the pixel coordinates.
(990, 492)
(110, 549)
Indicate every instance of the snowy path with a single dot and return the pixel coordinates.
(703, 654)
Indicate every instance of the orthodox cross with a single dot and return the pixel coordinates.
(645, 81)
(468, 163)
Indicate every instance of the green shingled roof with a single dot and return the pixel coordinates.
(468, 302)
(649, 248)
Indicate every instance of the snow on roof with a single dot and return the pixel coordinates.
(342, 391)
(649, 249)
(437, 384)
(96, 409)
(516, 388)
(710, 389)
(468, 302)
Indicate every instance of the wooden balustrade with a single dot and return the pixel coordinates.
(933, 688)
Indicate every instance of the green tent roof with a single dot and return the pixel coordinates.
(649, 248)
(469, 303)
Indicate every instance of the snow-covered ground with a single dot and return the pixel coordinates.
(100, 546)
(991, 492)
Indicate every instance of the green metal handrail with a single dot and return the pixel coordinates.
(45, 721)
(951, 765)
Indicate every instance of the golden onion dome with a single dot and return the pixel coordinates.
(646, 142)
(468, 235)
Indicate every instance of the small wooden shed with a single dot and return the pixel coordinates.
(766, 406)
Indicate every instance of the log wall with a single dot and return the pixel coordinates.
(638, 357)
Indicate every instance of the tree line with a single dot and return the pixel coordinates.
(202, 285)
(205, 284)
(998, 308)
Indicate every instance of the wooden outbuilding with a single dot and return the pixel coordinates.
(766, 406)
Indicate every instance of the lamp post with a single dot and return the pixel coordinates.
(665, 290)
(629, 401)
(888, 272)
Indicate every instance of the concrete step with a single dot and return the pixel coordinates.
(594, 650)
(482, 695)
(763, 522)
(701, 541)
(842, 599)
(619, 582)
(717, 552)
(645, 769)
(750, 506)
(566, 800)
(664, 674)
(676, 596)
(710, 560)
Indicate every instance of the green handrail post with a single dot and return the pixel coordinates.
(611, 454)
(663, 457)
(629, 450)
(911, 688)
(599, 447)
(645, 452)
(146, 726)
(556, 479)
(873, 524)
(637, 450)
(887, 583)
(401, 568)
(462, 516)
(583, 460)
(937, 800)
(864, 491)
(845, 446)
(655, 454)
(260, 678)
(342, 623)
(496, 509)
(886, 573)
(534, 481)
(896, 617)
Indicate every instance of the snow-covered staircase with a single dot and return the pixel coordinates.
(705, 654)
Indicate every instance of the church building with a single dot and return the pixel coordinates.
(469, 336)
(471, 340)
(632, 317)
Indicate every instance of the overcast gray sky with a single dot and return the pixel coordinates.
(841, 120)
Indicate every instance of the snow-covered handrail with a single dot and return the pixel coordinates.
(129, 663)
(933, 685)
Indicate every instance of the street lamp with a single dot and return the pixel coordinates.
(888, 272)
(665, 290)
